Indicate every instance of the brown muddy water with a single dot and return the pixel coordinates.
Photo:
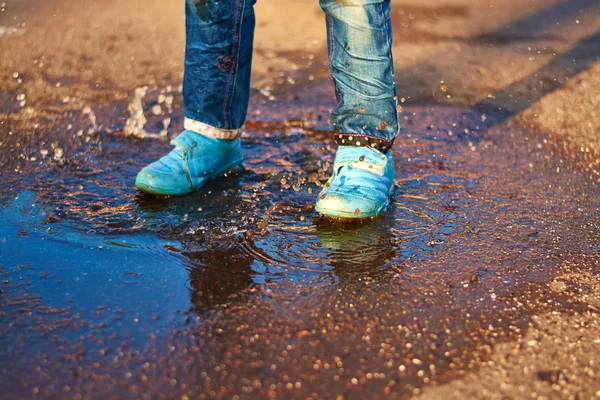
(241, 291)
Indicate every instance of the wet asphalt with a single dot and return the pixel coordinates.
(241, 290)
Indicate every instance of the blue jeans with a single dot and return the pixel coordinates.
(218, 60)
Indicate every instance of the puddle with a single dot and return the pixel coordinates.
(241, 290)
(244, 276)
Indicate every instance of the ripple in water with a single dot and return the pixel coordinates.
(296, 239)
(262, 218)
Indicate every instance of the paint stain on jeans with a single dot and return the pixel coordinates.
(225, 63)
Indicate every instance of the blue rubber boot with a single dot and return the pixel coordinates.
(361, 184)
(195, 159)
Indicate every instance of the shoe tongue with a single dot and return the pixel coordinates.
(187, 140)
(364, 158)
(360, 154)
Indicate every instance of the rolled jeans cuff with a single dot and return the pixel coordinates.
(210, 131)
(361, 140)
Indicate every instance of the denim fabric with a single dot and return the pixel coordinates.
(218, 58)
(219, 54)
(359, 36)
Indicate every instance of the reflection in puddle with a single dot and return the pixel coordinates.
(262, 217)
(219, 275)
(244, 272)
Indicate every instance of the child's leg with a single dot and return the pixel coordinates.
(366, 118)
(216, 88)
(218, 56)
(360, 56)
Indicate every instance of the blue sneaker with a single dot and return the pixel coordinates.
(195, 159)
(361, 185)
